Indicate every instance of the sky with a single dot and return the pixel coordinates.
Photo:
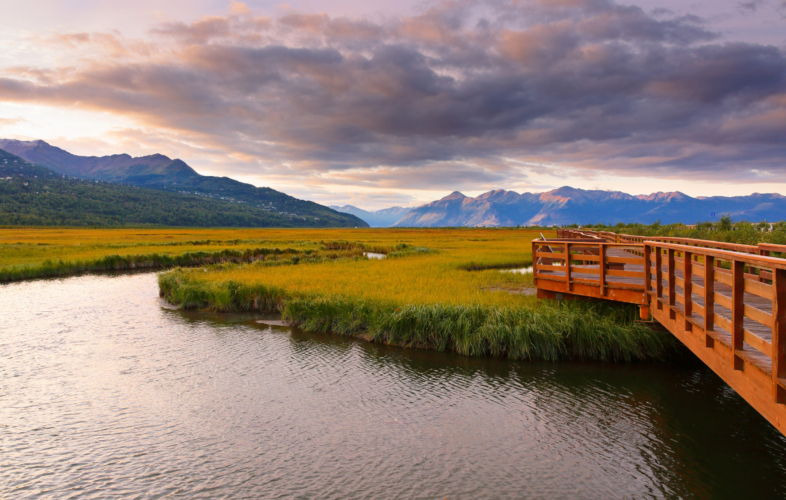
(377, 104)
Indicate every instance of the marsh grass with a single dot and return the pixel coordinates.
(527, 331)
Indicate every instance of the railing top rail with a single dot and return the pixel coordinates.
(772, 247)
(582, 242)
(756, 260)
(736, 247)
(571, 240)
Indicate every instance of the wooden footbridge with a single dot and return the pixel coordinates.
(726, 302)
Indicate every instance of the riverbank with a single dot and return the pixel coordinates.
(424, 299)
(552, 332)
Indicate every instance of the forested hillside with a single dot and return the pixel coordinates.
(33, 195)
(175, 176)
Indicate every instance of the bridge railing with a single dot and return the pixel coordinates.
(765, 249)
(747, 297)
(725, 301)
(589, 261)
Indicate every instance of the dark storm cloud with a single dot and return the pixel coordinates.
(461, 82)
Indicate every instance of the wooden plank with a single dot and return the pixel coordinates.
(751, 276)
(737, 309)
(762, 290)
(626, 274)
(758, 315)
(550, 255)
(722, 322)
(771, 247)
(757, 342)
(723, 276)
(778, 334)
(583, 270)
(545, 267)
(698, 309)
(550, 277)
(723, 300)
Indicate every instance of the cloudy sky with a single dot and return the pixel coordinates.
(398, 103)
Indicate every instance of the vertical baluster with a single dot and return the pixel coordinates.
(567, 266)
(670, 270)
(687, 287)
(602, 266)
(778, 334)
(709, 294)
(647, 270)
(659, 272)
(737, 310)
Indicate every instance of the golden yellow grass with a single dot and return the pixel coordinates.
(440, 276)
(420, 299)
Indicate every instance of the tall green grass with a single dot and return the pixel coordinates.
(548, 331)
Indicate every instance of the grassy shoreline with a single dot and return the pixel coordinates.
(545, 331)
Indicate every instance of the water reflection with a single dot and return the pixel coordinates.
(372, 255)
(108, 393)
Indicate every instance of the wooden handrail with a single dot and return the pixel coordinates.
(754, 260)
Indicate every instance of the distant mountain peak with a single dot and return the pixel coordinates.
(378, 218)
(455, 195)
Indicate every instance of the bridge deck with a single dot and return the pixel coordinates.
(745, 340)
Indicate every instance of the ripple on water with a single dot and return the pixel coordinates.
(106, 393)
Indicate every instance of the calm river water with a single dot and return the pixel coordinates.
(105, 392)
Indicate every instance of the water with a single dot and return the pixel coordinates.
(521, 270)
(372, 255)
(105, 392)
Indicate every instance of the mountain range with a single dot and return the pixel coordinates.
(181, 186)
(378, 218)
(568, 205)
(175, 176)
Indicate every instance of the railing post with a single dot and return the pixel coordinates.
(687, 287)
(672, 284)
(602, 266)
(709, 295)
(737, 310)
(659, 272)
(778, 334)
(647, 270)
(567, 266)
